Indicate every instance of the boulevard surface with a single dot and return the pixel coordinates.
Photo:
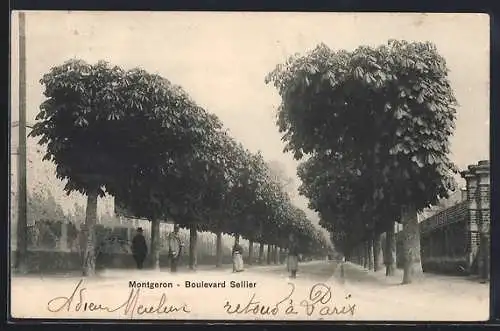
(317, 293)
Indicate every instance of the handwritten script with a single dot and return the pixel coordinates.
(319, 303)
(131, 307)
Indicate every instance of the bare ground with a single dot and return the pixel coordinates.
(317, 293)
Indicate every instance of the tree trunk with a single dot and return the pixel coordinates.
(390, 251)
(250, 252)
(261, 253)
(366, 255)
(362, 254)
(193, 238)
(360, 251)
(218, 250)
(371, 260)
(411, 245)
(377, 252)
(276, 254)
(89, 255)
(268, 254)
(155, 244)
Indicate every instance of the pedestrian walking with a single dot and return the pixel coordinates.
(342, 272)
(174, 248)
(293, 256)
(139, 248)
(237, 257)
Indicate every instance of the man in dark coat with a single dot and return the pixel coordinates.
(139, 248)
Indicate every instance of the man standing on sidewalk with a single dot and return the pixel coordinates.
(139, 248)
(174, 248)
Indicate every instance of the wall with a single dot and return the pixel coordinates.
(54, 247)
(449, 240)
(444, 242)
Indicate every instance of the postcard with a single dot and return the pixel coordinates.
(243, 166)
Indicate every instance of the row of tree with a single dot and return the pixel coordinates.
(375, 124)
(143, 140)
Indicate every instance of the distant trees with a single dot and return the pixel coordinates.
(376, 122)
(43, 206)
(77, 215)
(278, 173)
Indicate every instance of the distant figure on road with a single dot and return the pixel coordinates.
(342, 273)
(174, 248)
(139, 248)
(293, 256)
(237, 257)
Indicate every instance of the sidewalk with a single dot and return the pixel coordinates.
(436, 297)
(360, 276)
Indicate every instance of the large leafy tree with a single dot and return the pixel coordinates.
(252, 200)
(161, 182)
(392, 106)
(74, 123)
(227, 181)
(97, 121)
(270, 201)
(245, 198)
(202, 196)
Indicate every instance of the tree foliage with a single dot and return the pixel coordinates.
(376, 121)
(74, 122)
(142, 139)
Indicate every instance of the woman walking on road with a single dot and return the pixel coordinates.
(293, 256)
(237, 256)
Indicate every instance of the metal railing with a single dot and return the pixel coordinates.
(453, 214)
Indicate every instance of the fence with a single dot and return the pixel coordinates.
(56, 246)
(443, 241)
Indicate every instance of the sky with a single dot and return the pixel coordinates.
(221, 60)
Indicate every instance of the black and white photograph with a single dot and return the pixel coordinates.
(244, 166)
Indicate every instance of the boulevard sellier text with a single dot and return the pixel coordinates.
(222, 284)
(193, 284)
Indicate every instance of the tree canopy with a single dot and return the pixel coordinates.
(142, 139)
(375, 123)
